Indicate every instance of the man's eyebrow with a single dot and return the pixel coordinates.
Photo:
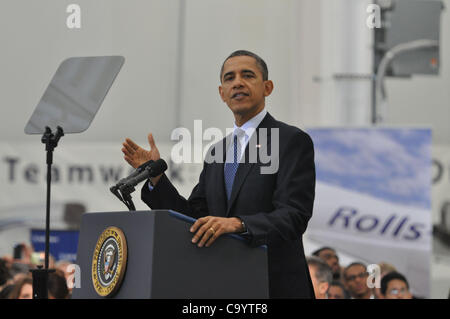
(228, 73)
(242, 71)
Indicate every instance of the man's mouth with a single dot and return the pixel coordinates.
(239, 95)
(360, 287)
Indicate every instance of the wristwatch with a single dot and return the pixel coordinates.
(243, 226)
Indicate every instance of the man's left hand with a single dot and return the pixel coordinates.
(208, 229)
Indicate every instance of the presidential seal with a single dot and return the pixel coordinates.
(109, 261)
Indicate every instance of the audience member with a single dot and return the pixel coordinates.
(6, 291)
(57, 286)
(5, 279)
(4, 273)
(18, 270)
(395, 286)
(321, 276)
(63, 266)
(355, 277)
(23, 289)
(385, 268)
(329, 255)
(16, 280)
(337, 291)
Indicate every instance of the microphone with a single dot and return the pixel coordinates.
(123, 189)
(115, 189)
(136, 172)
(151, 170)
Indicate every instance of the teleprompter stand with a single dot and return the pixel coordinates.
(40, 275)
(70, 104)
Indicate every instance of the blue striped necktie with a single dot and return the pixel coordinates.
(231, 166)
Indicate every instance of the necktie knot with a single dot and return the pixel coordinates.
(239, 132)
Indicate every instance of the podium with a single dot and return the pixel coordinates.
(162, 262)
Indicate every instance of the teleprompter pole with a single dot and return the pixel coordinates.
(40, 275)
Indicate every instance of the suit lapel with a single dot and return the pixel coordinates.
(219, 182)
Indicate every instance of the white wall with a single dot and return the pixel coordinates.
(35, 40)
(300, 40)
(214, 29)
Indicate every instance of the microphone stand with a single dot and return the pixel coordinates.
(128, 201)
(40, 275)
(124, 195)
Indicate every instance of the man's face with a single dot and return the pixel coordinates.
(320, 288)
(330, 257)
(356, 280)
(26, 292)
(243, 88)
(336, 292)
(397, 289)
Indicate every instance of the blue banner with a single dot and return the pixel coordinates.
(63, 243)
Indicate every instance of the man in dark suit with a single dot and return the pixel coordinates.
(235, 194)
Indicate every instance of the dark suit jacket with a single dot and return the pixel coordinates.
(275, 207)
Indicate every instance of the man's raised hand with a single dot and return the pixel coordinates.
(136, 155)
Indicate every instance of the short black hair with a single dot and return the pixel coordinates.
(351, 265)
(57, 285)
(339, 284)
(262, 66)
(392, 276)
(318, 251)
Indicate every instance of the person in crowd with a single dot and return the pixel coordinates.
(68, 272)
(19, 270)
(6, 291)
(62, 266)
(385, 268)
(337, 291)
(5, 280)
(4, 273)
(321, 276)
(23, 289)
(57, 285)
(24, 259)
(355, 278)
(395, 286)
(329, 255)
(16, 270)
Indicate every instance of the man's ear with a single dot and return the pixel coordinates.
(221, 93)
(268, 87)
(323, 287)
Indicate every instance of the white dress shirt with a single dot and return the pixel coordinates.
(244, 133)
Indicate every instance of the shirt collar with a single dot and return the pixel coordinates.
(250, 126)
